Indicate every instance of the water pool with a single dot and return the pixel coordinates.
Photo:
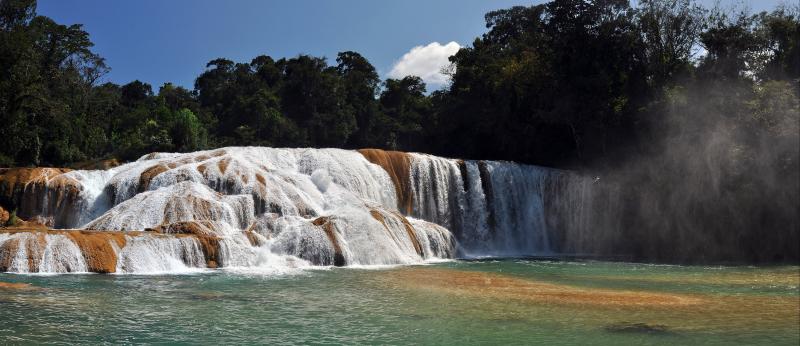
(513, 301)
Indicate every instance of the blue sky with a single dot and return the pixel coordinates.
(159, 41)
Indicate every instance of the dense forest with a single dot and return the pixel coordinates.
(568, 83)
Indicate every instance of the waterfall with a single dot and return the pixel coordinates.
(265, 207)
(75, 252)
(159, 255)
(497, 208)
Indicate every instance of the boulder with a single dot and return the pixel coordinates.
(4, 215)
(38, 190)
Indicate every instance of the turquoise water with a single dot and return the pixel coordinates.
(460, 302)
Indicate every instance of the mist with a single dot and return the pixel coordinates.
(718, 182)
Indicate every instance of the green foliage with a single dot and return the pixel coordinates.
(187, 132)
(405, 107)
(566, 83)
(13, 220)
(360, 83)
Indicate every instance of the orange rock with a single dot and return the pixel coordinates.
(34, 224)
(151, 156)
(406, 224)
(15, 180)
(330, 230)
(223, 165)
(210, 247)
(97, 249)
(253, 238)
(8, 250)
(4, 215)
(203, 227)
(41, 192)
(203, 231)
(218, 153)
(34, 249)
(147, 176)
(398, 165)
(261, 179)
(199, 209)
(25, 175)
(97, 164)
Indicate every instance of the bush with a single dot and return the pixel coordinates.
(13, 220)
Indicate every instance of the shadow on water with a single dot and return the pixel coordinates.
(548, 257)
(639, 328)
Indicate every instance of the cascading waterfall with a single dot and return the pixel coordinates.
(159, 255)
(495, 208)
(250, 207)
(61, 255)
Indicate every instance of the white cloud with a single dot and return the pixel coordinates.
(426, 62)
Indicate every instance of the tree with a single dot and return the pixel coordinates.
(739, 45)
(245, 103)
(404, 103)
(48, 72)
(781, 37)
(312, 96)
(187, 133)
(360, 82)
(16, 13)
(669, 31)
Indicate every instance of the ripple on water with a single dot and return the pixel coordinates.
(447, 303)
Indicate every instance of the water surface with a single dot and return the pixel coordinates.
(459, 302)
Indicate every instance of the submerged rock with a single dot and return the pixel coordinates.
(644, 328)
(15, 286)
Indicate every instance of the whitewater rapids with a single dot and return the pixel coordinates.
(255, 206)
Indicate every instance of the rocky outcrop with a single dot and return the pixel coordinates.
(398, 165)
(14, 181)
(4, 216)
(29, 245)
(43, 193)
(330, 231)
(382, 216)
(180, 202)
(203, 231)
(96, 164)
(149, 174)
(98, 249)
(36, 250)
(203, 228)
(231, 207)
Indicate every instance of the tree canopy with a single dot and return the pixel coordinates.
(569, 83)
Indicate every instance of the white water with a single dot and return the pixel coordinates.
(143, 254)
(501, 211)
(148, 254)
(492, 208)
(60, 255)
